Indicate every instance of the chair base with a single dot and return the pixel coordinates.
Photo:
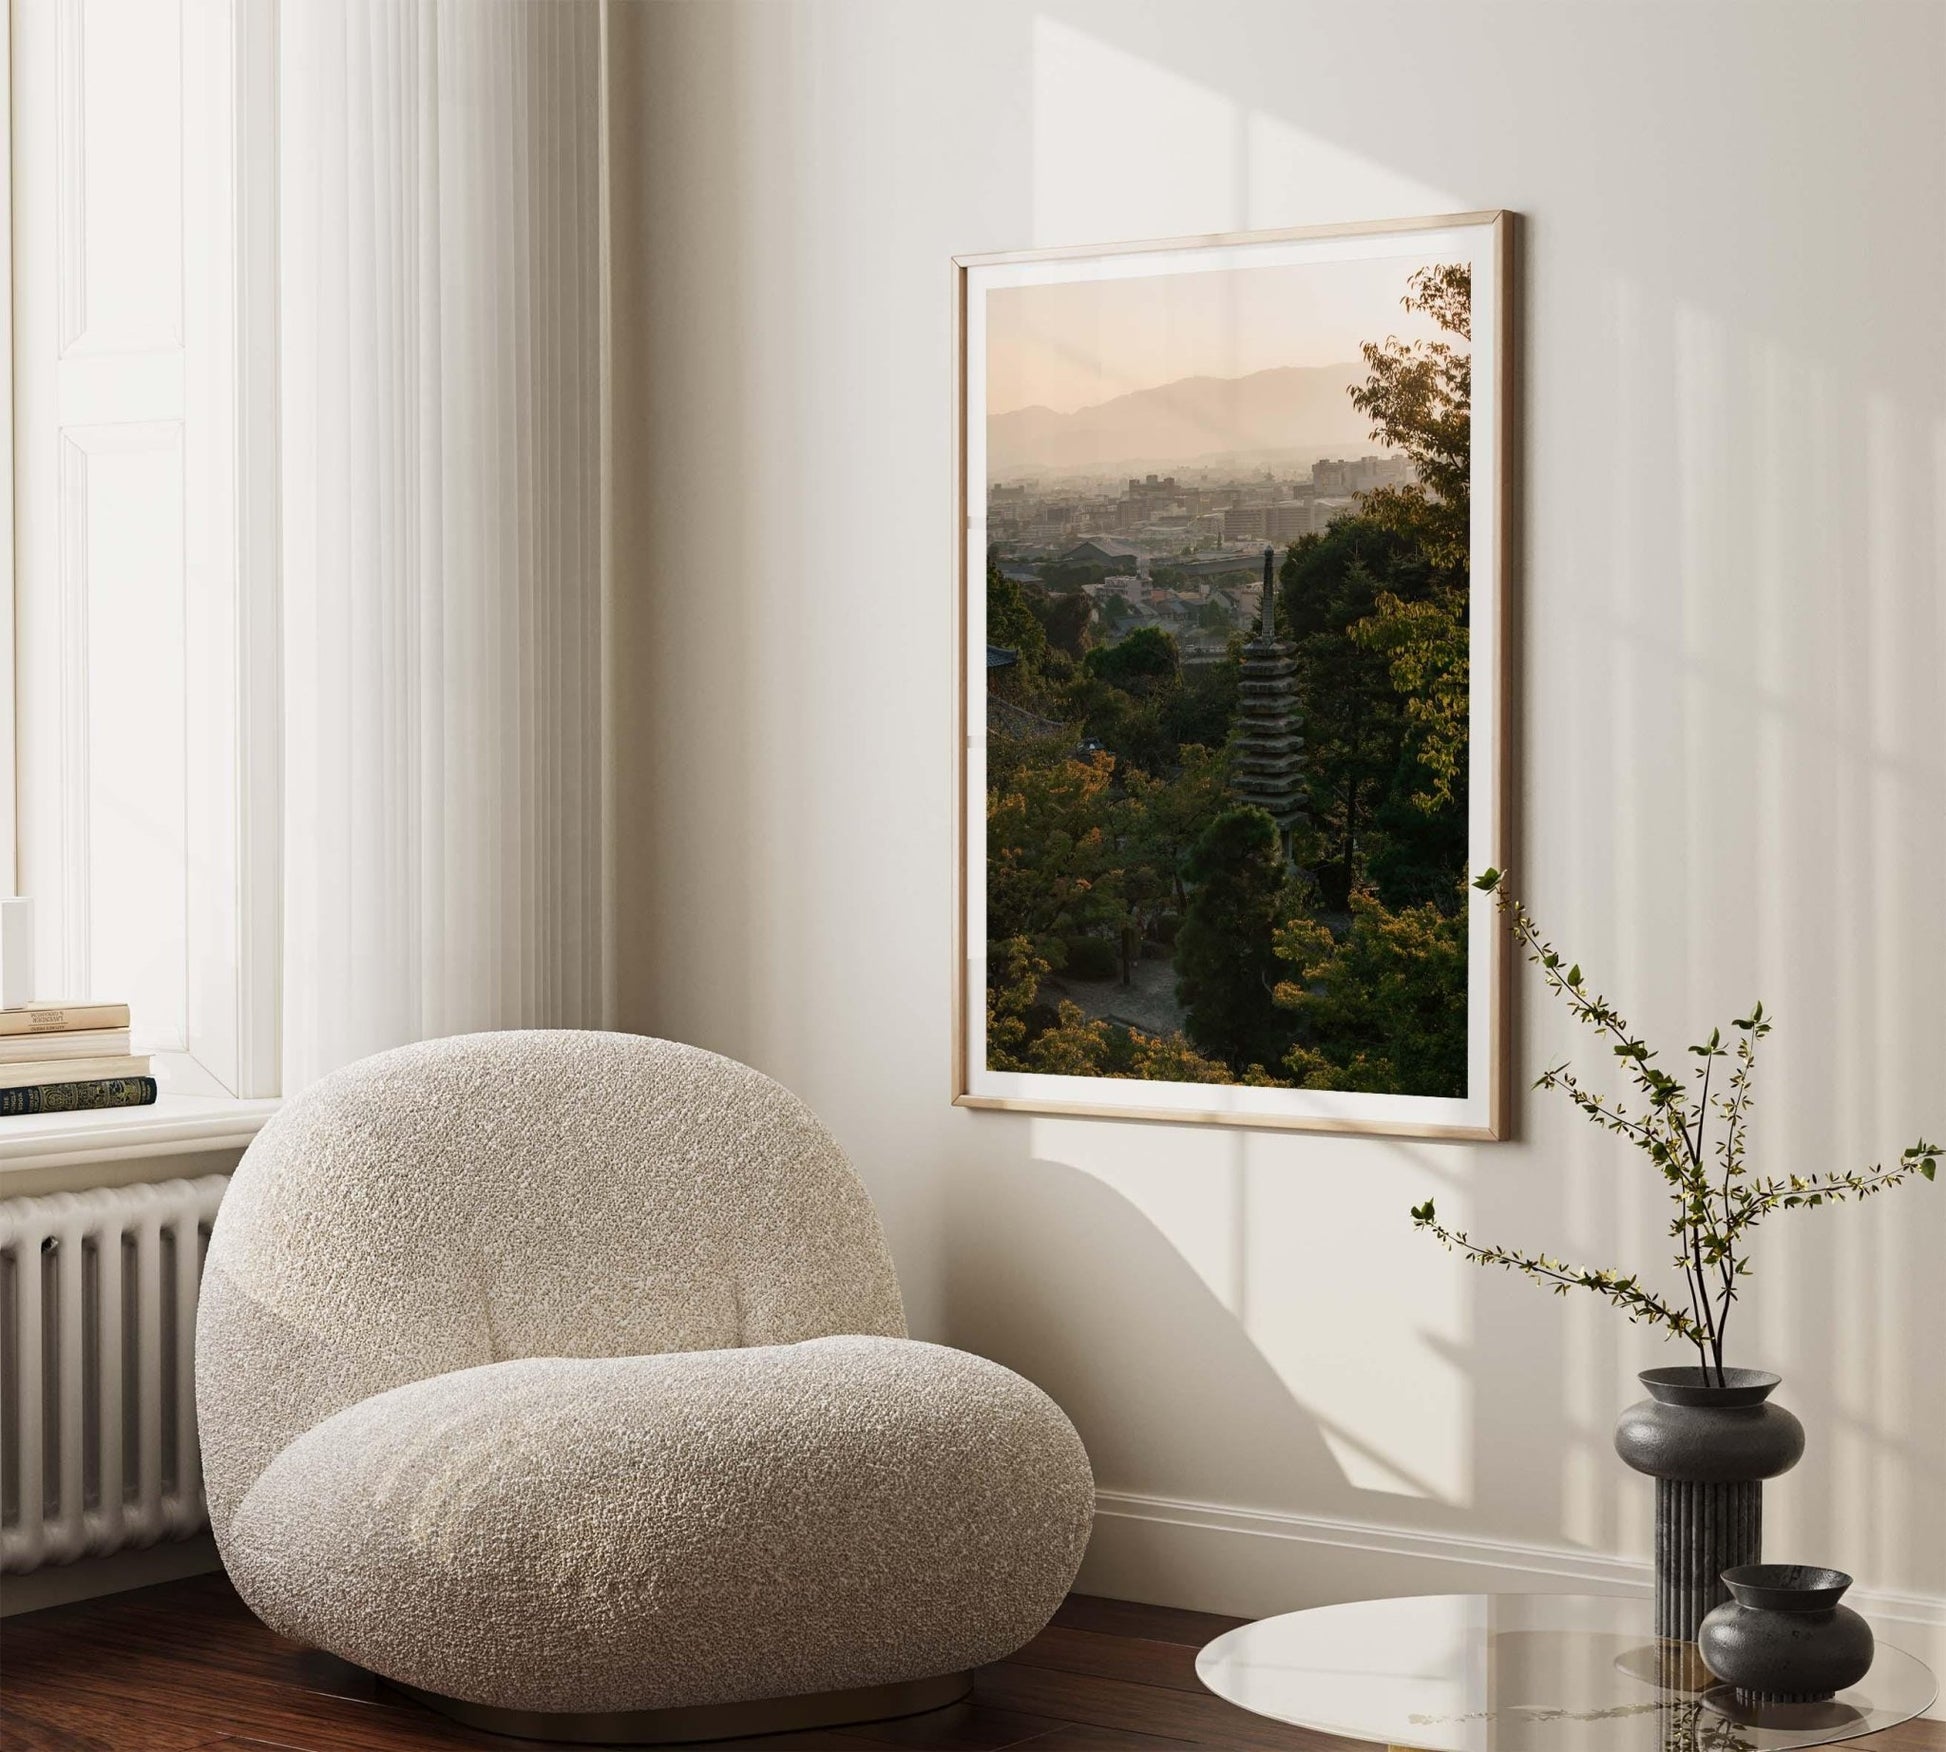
(706, 1721)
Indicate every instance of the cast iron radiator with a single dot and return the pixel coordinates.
(97, 1384)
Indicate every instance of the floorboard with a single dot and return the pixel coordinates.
(1105, 1655)
(1131, 1618)
(185, 1667)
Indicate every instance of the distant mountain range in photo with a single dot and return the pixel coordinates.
(1292, 408)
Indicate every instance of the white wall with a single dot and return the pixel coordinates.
(1734, 781)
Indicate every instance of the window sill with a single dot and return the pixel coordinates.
(174, 1125)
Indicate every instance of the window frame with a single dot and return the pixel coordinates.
(225, 1081)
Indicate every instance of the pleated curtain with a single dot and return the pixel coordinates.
(440, 375)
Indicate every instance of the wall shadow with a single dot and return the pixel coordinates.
(1062, 1278)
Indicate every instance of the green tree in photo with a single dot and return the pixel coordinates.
(1378, 607)
(1011, 621)
(1175, 812)
(1140, 735)
(1053, 869)
(1380, 1008)
(1202, 710)
(1144, 664)
(1354, 723)
(1424, 645)
(1415, 850)
(1226, 959)
(1034, 680)
(1419, 397)
(1144, 889)
(1068, 622)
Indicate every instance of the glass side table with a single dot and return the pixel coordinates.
(1526, 1673)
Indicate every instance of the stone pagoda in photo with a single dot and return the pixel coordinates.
(1265, 764)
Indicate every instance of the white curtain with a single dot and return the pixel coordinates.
(441, 358)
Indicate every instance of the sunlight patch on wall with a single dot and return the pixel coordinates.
(1295, 178)
(1595, 1204)
(1337, 1284)
(1748, 687)
(1124, 148)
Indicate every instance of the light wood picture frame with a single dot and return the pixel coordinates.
(1265, 926)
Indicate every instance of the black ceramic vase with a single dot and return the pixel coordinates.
(1709, 1442)
(1784, 1638)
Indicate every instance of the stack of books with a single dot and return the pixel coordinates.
(63, 1058)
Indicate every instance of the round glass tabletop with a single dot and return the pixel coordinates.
(1526, 1673)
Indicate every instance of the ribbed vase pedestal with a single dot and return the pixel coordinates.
(1709, 1442)
(1701, 1529)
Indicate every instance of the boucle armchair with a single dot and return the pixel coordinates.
(563, 1379)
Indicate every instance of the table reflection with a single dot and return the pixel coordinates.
(1525, 1673)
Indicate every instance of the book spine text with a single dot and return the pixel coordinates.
(77, 1097)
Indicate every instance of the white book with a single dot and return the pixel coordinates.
(74, 1070)
(78, 1043)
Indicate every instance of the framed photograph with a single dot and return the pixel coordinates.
(1234, 532)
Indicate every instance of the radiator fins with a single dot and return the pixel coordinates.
(97, 1389)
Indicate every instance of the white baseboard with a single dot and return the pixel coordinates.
(1252, 1563)
(60, 1584)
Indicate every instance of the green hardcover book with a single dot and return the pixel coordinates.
(77, 1097)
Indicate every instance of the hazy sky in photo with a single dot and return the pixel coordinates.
(1085, 342)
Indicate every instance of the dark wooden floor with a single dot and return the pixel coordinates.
(185, 1668)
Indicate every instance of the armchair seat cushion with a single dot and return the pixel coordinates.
(695, 1527)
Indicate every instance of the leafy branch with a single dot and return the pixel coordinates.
(1625, 1292)
(1717, 1200)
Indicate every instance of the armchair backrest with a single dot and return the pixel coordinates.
(520, 1194)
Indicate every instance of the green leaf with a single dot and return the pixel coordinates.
(1488, 880)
